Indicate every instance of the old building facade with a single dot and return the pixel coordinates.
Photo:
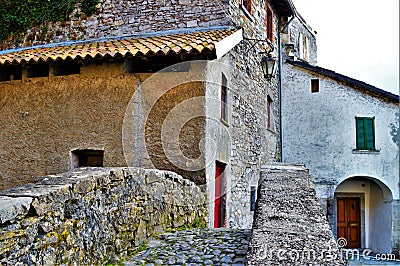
(84, 93)
(346, 132)
(177, 85)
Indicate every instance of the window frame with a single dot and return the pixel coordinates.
(253, 198)
(365, 133)
(315, 85)
(304, 47)
(269, 17)
(81, 158)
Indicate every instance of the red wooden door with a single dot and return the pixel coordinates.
(219, 209)
(348, 221)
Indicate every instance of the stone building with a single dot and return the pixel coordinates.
(347, 134)
(83, 93)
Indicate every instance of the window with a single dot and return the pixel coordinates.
(269, 24)
(38, 70)
(314, 85)
(67, 68)
(224, 99)
(269, 111)
(247, 5)
(365, 133)
(253, 192)
(303, 47)
(85, 158)
(8, 73)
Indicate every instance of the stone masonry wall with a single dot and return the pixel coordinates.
(124, 17)
(93, 215)
(253, 143)
(291, 39)
(43, 119)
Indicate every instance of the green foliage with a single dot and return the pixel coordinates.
(89, 7)
(17, 16)
(141, 248)
(198, 224)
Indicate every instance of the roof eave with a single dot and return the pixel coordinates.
(283, 7)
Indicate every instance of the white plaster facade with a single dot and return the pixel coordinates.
(319, 129)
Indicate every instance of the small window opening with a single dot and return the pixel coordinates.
(67, 68)
(304, 47)
(38, 70)
(87, 158)
(269, 111)
(314, 85)
(224, 99)
(253, 192)
(269, 22)
(8, 73)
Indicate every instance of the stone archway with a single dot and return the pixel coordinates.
(375, 212)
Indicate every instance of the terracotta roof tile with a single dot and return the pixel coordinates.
(177, 43)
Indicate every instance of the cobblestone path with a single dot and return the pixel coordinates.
(195, 247)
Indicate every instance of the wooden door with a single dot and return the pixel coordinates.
(220, 202)
(348, 221)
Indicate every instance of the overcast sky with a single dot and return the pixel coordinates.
(357, 38)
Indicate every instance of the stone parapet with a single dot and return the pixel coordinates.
(93, 215)
(289, 226)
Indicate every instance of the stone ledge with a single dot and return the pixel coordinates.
(10, 208)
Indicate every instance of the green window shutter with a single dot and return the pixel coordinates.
(360, 133)
(369, 134)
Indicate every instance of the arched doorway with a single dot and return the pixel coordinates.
(363, 213)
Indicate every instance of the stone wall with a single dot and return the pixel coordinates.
(252, 142)
(44, 119)
(93, 215)
(291, 40)
(124, 17)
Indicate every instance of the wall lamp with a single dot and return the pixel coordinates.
(268, 63)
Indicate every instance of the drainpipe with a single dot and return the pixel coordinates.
(280, 94)
(280, 84)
